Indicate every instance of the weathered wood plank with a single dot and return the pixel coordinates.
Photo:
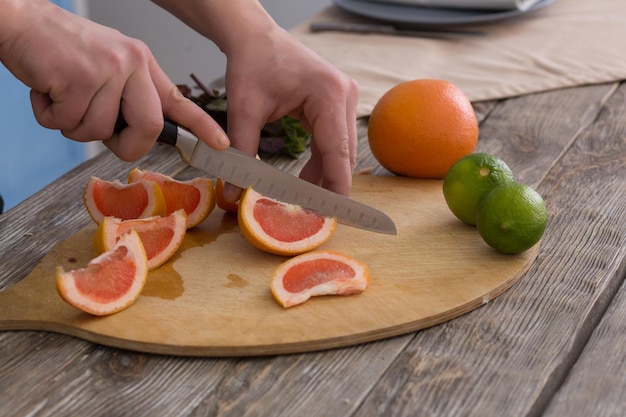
(597, 383)
(531, 133)
(513, 353)
(165, 385)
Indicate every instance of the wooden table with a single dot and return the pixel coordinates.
(553, 345)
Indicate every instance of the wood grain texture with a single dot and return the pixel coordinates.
(541, 348)
(596, 385)
(213, 298)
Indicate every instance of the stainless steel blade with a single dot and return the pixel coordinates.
(240, 169)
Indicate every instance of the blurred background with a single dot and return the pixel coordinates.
(33, 156)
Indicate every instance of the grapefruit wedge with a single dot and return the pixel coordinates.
(161, 236)
(195, 196)
(125, 201)
(111, 282)
(280, 228)
(317, 273)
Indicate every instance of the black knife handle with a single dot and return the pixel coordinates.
(168, 135)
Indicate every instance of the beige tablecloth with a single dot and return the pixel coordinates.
(569, 43)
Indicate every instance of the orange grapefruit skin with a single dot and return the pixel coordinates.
(420, 128)
(317, 273)
(161, 236)
(195, 196)
(110, 282)
(279, 228)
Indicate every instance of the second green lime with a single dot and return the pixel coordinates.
(512, 218)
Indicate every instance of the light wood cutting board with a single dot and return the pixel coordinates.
(213, 298)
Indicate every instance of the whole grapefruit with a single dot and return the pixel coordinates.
(420, 128)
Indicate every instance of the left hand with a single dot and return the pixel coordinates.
(271, 74)
(286, 78)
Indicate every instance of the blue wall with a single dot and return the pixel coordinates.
(31, 156)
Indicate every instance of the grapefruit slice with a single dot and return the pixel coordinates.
(124, 201)
(280, 228)
(111, 282)
(195, 196)
(317, 273)
(161, 236)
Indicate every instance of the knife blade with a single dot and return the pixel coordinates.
(242, 170)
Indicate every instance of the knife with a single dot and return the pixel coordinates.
(242, 170)
(383, 29)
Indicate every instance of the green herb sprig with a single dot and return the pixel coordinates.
(284, 136)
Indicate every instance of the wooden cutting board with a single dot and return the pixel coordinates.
(213, 298)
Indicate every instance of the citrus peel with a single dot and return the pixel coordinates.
(161, 236)
(110, 282)
(317, 273)
(196, 196)
(281, 228)
(419, 128)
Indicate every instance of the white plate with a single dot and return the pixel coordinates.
(416, 15)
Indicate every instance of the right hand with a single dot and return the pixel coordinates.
(83, 74)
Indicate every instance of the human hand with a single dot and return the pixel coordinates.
(270, 74)
(278, 76)
(82, 75)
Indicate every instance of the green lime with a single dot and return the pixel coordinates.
(470, 179)
(512, 218)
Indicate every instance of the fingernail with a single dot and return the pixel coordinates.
(222, 139)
